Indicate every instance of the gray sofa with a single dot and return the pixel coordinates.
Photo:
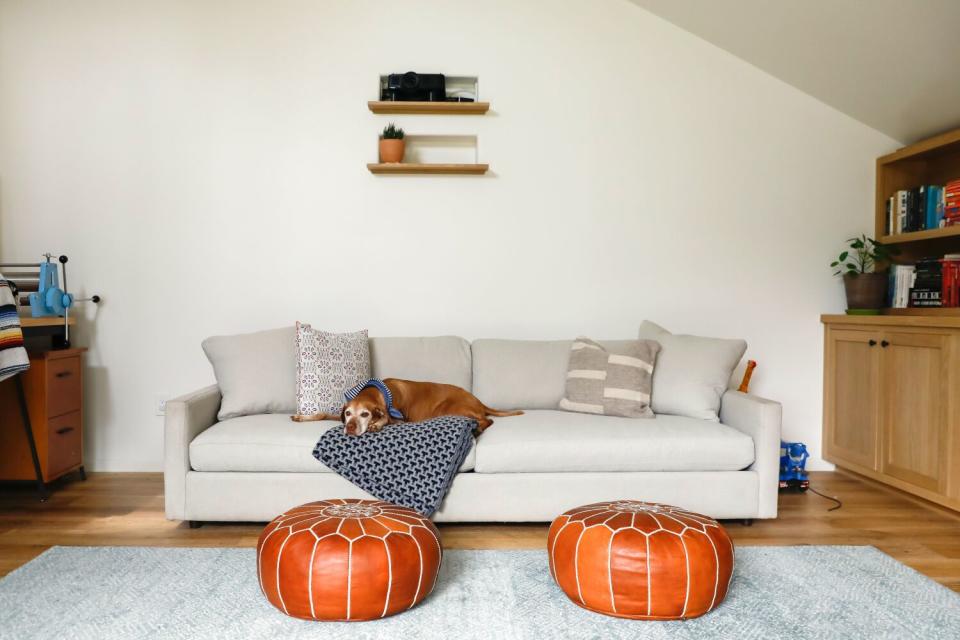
(527, 468)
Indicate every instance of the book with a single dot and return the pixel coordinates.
(901, 212)
(950, 291)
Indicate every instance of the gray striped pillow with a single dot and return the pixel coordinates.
(610, 384)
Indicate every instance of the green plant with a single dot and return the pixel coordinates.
(862, 256)
(392, 132)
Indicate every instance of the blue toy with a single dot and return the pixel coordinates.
(793, 464)
(50, 299)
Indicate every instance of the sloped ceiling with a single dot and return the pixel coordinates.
(892, 64)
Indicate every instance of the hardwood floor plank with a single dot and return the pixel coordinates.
(127, 509)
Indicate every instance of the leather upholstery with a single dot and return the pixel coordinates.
(348, 560)
(640, 560)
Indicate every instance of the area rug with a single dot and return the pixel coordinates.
(776, 592)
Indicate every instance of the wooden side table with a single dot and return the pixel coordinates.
(53, 390)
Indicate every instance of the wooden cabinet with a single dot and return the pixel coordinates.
(892, 401)
(851, 397)
(53, 387)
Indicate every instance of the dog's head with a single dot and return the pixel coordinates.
(366, 412)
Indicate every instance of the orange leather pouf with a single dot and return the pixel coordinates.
(348, 560)
(640, 560)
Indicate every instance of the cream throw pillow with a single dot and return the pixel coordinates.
(256, 372)
(693, 372)
(327, 365)
(610, 384)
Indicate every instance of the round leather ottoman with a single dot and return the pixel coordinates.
(640, 560)
(348, 560)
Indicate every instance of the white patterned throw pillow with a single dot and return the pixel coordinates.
(327, 365)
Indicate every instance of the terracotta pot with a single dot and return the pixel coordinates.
(865, 290)
(391, 150)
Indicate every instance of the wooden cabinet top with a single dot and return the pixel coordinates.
(56, 354)
(944, 322)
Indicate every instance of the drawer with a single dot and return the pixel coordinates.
(64, 443)
(63, 386)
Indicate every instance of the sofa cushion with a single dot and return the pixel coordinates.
(692, 372)
(524, 374)
(443, 359)
(267, 442)
(256, 372)
(545, 441)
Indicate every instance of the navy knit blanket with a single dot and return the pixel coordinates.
(411, 464)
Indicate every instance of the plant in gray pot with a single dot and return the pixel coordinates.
(866, 288)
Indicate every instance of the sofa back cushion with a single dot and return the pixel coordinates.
(443, 359)
(524, 374)
(692, 372)
(256, 372)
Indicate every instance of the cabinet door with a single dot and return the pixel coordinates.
(914, 380)
(851, 372)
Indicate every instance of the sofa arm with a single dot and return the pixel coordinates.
(186, 417)
(759, 418)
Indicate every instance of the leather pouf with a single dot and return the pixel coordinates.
(348, 560)
(640, 560)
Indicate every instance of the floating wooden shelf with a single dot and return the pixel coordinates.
(933, 312)
(429, 108)
(418, 168)
(929, 234)
(55, 321)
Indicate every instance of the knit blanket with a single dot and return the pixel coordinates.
(13, 357)
(411, 464)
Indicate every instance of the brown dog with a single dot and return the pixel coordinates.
(416, 401)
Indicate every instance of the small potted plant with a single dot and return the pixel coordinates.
(391, 144)
(866, 289)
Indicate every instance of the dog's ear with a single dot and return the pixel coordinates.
(343, 417)
(377, 413)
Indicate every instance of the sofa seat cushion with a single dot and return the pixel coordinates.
(545, 441)
(267, 442)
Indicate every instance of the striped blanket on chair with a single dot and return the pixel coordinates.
(13, 357)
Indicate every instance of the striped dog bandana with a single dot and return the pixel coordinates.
(13, 357)
(377, 383)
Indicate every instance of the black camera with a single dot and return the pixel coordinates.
(413, 86)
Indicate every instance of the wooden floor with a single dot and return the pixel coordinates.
(127, 509)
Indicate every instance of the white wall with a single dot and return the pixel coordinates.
(202, 163)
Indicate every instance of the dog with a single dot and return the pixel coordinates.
(417, 401)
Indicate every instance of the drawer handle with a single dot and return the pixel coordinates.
(872, 343)
(63, 430)
(62, 374)
(884, 344)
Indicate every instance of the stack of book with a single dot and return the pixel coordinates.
(951, 203)
(902, 277)
(927, 287)
(921, 208)
(931, 283)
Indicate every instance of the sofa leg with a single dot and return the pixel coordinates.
(747, 522)
(194, 524)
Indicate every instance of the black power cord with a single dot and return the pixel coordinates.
(823, 495)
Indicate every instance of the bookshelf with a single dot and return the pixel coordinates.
(935, 160)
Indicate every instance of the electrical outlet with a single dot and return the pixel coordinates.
(160, 403)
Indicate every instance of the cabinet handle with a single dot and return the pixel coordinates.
(63, 430)
(872, 343)
(884, 344)
(62, 374)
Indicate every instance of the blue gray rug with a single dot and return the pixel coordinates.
(777, 592)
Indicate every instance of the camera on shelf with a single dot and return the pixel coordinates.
(412, 86)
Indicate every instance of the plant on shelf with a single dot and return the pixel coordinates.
(866, 288)
(392, 144)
